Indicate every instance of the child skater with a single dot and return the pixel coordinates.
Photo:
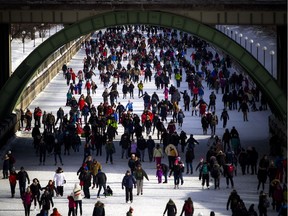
(71, 204)
(159, 173)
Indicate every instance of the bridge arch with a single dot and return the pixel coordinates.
(14, 87)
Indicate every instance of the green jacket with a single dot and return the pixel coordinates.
(139, 174)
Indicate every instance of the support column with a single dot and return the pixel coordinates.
(5, 53)
(282, 57)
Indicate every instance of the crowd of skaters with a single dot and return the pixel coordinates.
(106, 59)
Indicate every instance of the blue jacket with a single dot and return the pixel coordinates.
(128, 181)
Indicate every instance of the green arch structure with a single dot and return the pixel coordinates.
(15, 85)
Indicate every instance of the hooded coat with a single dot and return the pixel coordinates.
(99, 209)
(171, 208)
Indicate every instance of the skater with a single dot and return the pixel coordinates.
(128, 182)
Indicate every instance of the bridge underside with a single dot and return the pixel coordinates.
(203, 15)
(14, 87)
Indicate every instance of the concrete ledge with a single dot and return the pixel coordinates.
(10, 125)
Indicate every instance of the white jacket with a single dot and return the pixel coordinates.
(59, 179)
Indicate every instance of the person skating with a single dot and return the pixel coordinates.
(263, 204)
(59, 179)
(110, 150)
(12, 182)
(225, 117)
(12, 160)
(128, 182)
(35, 189)
(233, 200)
(189, 157)
(245, 109)
(199, 166)
(157, 154)
(188, 208)
(100, 181)
(71, 204)
(86, 183)
(94, 169)
(22, 176)
(5, 166)
(229, 173)
(99, 209)
(262, 174)
(170, 208)
(46, 201)
(139, 175)
(177, 172)
(159, 173)
(27, 198)
(216, 174)
(77, 196)
(205, 174)
(151, 147)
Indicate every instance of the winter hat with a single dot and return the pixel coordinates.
(59, 170)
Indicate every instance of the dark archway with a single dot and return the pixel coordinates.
(14, 87)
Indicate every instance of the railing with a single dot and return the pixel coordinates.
(45, 73)
(263, 48)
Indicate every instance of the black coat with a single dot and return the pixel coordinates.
(86, 179)
(45, 200)
(171, 209)
(101, 178)
(189, 156)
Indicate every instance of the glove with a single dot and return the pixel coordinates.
(122, 188)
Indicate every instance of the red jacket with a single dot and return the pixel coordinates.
(13, 178)
(88, 85)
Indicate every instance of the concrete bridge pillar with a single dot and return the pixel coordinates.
(5, 53)
(282, 57)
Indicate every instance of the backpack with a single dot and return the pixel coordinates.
(204, 169)
(188, 209)
(230, 169)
